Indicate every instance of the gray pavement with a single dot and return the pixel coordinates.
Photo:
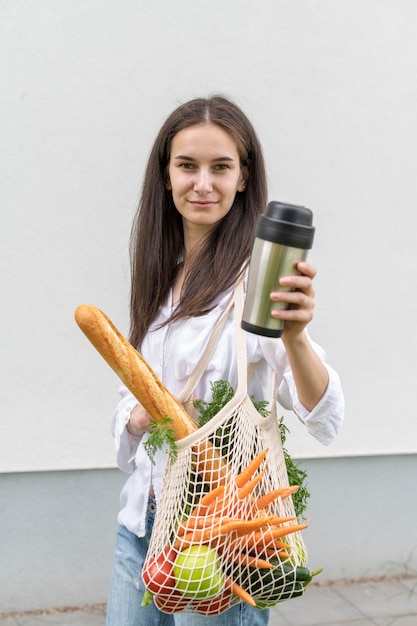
(386, 602)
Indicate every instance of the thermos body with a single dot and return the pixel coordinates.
(269, 262)
(283, 237)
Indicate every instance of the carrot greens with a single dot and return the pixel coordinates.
(162, 434)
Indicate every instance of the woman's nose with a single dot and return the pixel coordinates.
(203, 184)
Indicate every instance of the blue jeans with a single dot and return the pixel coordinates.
(127, 589)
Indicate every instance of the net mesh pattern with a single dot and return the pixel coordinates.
(223, 532)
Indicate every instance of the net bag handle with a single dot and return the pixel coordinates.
(236, 300)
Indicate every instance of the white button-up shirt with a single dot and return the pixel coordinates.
(172, 352)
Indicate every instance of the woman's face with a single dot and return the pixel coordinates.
(204, 174)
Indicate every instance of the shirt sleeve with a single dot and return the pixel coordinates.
(125, 443)
(325, 420)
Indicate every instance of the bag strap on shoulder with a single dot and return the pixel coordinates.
(236, 301)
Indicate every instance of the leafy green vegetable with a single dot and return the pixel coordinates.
(296, 475)
(221, 393)
(162, 433)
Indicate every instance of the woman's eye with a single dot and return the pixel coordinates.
(218, 167)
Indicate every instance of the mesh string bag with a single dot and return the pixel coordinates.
(225, 529)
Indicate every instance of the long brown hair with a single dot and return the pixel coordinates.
(157, 242)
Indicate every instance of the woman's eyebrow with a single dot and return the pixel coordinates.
(184, 157)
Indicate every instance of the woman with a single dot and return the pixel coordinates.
(204, 188)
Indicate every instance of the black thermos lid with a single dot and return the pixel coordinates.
(287, 224)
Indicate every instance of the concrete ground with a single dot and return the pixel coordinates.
(385, 602)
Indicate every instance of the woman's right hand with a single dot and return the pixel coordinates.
(138, 423)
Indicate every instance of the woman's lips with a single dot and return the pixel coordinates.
(203, 203)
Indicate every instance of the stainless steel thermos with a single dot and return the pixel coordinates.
(283, 235)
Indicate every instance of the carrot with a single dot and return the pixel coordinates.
(250, 485)
(241, 558)
(281, 554)
(207, 534)
(278, 545)
(248, 472)
(282, 493)
(282, 520)
(200, 536)
(241, 593)
(271, 534)
(262, 539)
(204, 505)
(211, 496)
(200, 522)
(244, 527)
(229, 504)
(215, 501)
(224, 505)
(202, 533)
(287, 530)
(274, 553)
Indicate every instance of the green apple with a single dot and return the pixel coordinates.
(198, 573)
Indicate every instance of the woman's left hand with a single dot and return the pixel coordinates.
(300, 299)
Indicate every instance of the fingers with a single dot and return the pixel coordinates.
(303, 280)
(138, 422)
(301, 306)
(306, 269)
(298, 294)
(298, 283)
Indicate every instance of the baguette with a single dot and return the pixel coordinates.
(141, 380)
(132, 369)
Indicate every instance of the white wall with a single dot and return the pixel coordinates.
(330, 86)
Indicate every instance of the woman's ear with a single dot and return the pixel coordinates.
(168, 184)
(242, 184)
